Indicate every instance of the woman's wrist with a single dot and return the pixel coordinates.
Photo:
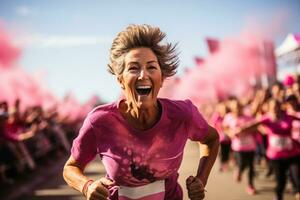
(86, 186)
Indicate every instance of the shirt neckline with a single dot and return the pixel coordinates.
(130, 127)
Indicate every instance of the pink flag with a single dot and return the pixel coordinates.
(269, 58)
(199, 61)
(213, 45)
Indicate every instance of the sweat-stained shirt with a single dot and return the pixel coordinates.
(138, 157)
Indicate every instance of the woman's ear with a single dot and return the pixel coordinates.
(120, 81)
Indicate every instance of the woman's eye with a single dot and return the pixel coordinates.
(152, 67)
(133, 68)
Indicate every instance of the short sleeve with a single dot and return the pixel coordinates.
(265, 120)
(226, 121)
(11, 135)
(197, 126)
(84, 148)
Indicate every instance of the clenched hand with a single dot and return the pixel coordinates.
(98, 190)
(195, 188)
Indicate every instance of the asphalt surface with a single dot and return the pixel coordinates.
(47, 183)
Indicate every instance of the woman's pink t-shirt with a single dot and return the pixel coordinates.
(138, 157)
(217, 121)
(296, 129)
(280, 143)
(243, 142)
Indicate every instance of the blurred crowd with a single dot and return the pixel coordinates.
(31, 136)
(262, 129)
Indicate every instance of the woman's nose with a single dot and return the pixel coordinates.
(143, 74)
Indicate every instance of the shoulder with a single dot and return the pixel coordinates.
(183, 108)
(289, 117)
(265, 119)
(102, 113)
(180, 105)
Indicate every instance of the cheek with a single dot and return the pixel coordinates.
(159, 79)
(128, 79)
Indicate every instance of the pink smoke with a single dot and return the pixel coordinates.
(30, 89)
(15, 82)
(8, 52)
(233, 63)
(227, 71)
(169, 86)
(72, 110)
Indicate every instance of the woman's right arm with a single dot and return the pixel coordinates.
(73, 175)
(249, 128)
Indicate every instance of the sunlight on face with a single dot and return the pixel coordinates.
(142, 77)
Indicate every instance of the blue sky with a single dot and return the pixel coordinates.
(70, 40)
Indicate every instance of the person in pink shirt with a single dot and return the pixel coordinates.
(141, 138)
(282, 150)
(243, 143)
(292, 107)
(225, 141)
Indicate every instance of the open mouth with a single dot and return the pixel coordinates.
(143, 90)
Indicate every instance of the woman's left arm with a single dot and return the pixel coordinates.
(295, 117)
(208, 152)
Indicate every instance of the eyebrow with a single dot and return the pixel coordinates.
(151, 61)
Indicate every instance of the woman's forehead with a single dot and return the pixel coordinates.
(139, 54)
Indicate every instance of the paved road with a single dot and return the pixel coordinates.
(220, 185)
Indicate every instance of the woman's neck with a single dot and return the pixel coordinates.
(141, 118)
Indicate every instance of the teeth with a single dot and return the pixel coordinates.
(143, 87)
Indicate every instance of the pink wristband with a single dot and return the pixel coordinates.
(85, 187)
